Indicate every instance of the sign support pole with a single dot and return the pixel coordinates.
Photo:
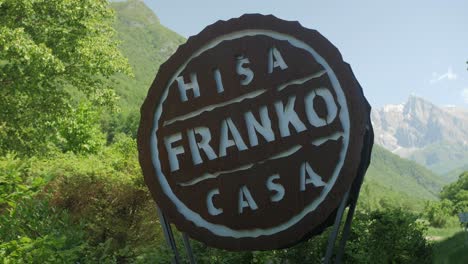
(355, 190)
(168, 235)
(336, 229)
(346, 230)
(188, 248)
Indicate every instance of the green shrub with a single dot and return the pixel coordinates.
(35, 232)
(90, 208)
(457, 192)
(106, 192)
(439, 213)
(15, 182)
(79, 130)
(390, 236)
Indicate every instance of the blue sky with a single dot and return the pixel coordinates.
(396, 49)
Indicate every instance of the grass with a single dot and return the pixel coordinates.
(452, 250)
(443, 233)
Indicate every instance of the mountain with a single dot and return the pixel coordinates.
(433, 136)
(147, 44)
(394, 180)
(454, 174)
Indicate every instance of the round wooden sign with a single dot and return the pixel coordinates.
(252, 133)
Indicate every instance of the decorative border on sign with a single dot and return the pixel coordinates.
(358, 111)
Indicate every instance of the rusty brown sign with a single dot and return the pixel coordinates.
(251, 133)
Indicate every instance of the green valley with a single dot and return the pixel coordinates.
(391, 179)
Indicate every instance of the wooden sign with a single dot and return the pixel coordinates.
(251, 133)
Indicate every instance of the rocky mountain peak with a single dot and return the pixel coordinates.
(416, 104)
(420, 110)
(416, 124)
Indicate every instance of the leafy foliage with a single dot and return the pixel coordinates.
(49, 50)
(14, 183)
(88, 209)
(439, 213)
(79, 131)
(454, 200)
(37, 233)
(30, 230)
(457, 192)
(390, 236)
(387, 236)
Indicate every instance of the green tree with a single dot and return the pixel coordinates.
(387, 236)
(53, 54)
(457, 192)
(79, 131)
(439, 213)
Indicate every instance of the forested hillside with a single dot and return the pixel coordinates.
(391, 179)
(146, 43)
(453, 175)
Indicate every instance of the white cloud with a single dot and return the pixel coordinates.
(449, 75)
(464, 94)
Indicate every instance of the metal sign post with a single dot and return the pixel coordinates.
(169, 237)
(352, 199)
(336, 229)
(188, 248)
